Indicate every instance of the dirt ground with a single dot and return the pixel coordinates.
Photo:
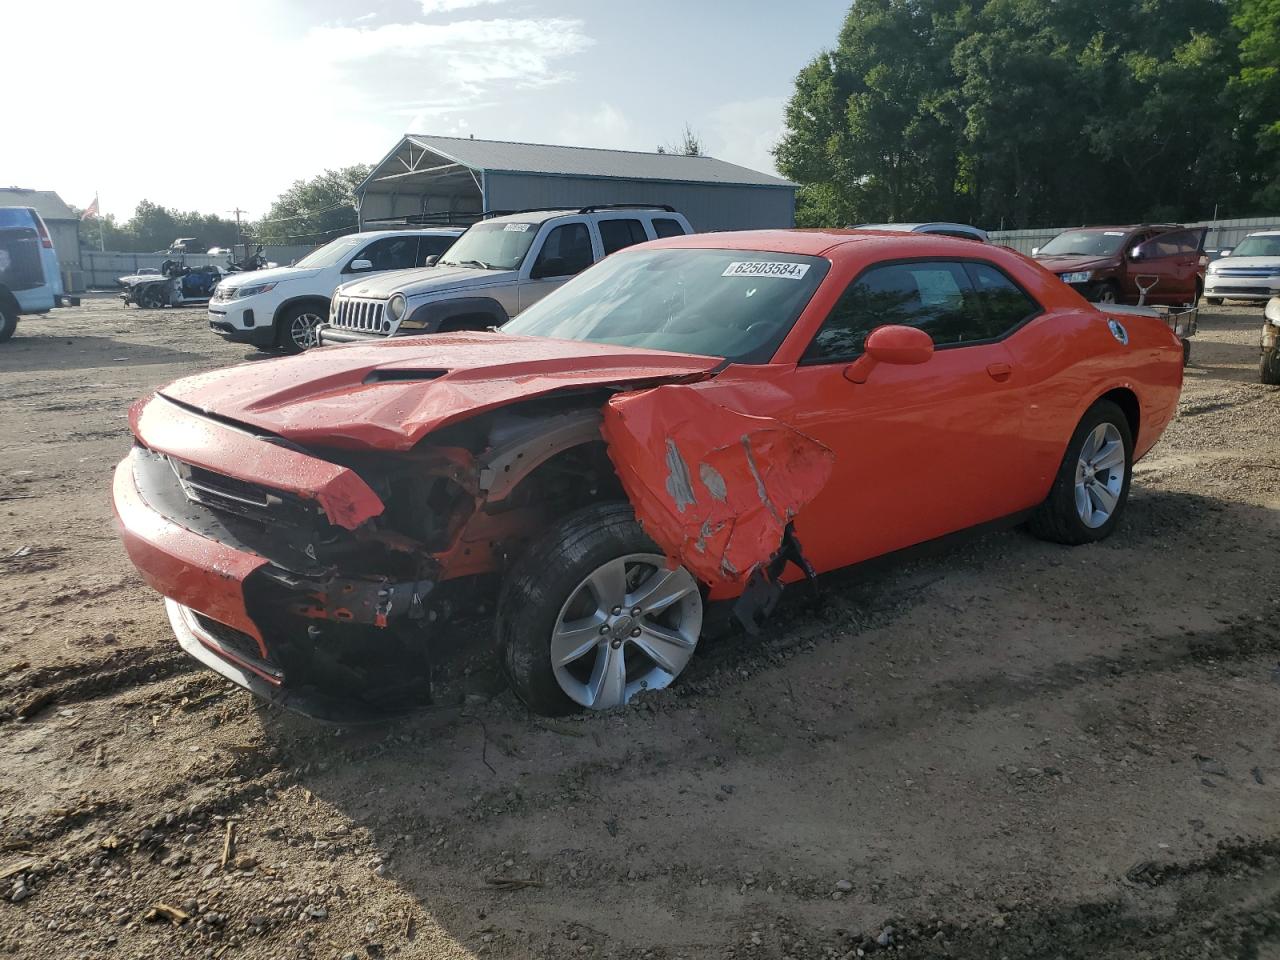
(1006, 749)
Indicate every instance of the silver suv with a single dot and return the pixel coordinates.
(496, 269)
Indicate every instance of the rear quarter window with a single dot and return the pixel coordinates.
(667, 227)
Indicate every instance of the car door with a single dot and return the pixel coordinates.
(566, 250)
(1173, 259)
(923, 450)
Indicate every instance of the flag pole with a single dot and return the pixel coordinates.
(102, 225)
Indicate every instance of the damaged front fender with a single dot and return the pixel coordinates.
(715, 488)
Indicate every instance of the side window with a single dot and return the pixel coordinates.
(391, 253)
(432, 246)
(666, 227)
(1177, 243)
(936, 296)
(567, 251)
(1004, 304)
(616, 234)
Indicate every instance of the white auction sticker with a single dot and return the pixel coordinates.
(1113, 233)
(766, 268)
(517, 227)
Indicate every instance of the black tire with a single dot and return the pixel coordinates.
(1268, 371)
(1213, 301)
(542, 581)
(1186, 352)
(1108, 291)
(149, 298)
(8, 322)
(1057, 519)
(286, 332)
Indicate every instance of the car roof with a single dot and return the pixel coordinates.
(1127, 227)
(447, 231)
(919, 227)
(1263, 233)
(812, 242)
(542, 216)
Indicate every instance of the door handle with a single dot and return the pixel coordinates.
(999, 372)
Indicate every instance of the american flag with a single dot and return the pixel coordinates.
(91, 211)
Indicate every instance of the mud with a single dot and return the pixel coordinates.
(1001, 748)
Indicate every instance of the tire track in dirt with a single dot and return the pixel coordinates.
(99, 677)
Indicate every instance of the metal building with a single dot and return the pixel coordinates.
(441, 175)
(63, 224)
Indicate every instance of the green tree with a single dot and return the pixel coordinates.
(1257, 86)
(315, 210)
(689, 145)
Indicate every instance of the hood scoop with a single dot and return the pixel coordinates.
(403, 376)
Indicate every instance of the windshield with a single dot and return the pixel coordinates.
(736, 304)
(492, 246)
(1090, 243)
(330, 253)
(1258, 247)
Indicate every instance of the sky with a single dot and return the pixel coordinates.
(216, 106)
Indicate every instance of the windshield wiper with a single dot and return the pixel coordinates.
(469, 263)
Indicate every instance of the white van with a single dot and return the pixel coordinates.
(30, 277)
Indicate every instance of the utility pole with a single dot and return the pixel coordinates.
(237, 211)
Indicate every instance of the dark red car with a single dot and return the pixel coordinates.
(691, 420)
(1114, 264)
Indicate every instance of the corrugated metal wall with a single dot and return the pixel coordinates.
(1222, 233)
(708, 206)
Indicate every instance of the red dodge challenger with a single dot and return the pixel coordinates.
(693, 420)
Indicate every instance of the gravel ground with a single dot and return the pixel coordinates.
(1005, 749)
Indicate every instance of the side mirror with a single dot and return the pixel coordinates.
(891, 344)
(431, 260)
(1035, 251)
(359, 266)
(1226, 252)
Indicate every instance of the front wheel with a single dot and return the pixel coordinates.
(1269, 371)
(1106, 292)
(8, 323)
(297, 329)
(1092, 485)
(593, 614)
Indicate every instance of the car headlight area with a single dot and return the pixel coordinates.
(396, 307)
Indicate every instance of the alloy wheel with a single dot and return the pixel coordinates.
(632, 624)
(302, 330)
(1099, 475)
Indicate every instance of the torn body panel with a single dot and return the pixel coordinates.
(715, 488)
(186, 436)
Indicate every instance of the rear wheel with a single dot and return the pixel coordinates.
(1269, 371)
(1092, 485)
(592, 615)
(8, 322)
(297, 328)
(149, 298)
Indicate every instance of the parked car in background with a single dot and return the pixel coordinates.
(690, 421)
(279, 308)
(30, 276)
(1249, 271)
(1114, 264)
(961, 231)
(498, 268)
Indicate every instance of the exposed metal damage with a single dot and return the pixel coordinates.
(364, 554)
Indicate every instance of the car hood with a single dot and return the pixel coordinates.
(390, 393)
(1074, 262)
(424, 280)
(247, 278)
(1254, 263)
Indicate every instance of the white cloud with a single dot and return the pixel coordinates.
(745, 132)
(450, 6)
(603, 126)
